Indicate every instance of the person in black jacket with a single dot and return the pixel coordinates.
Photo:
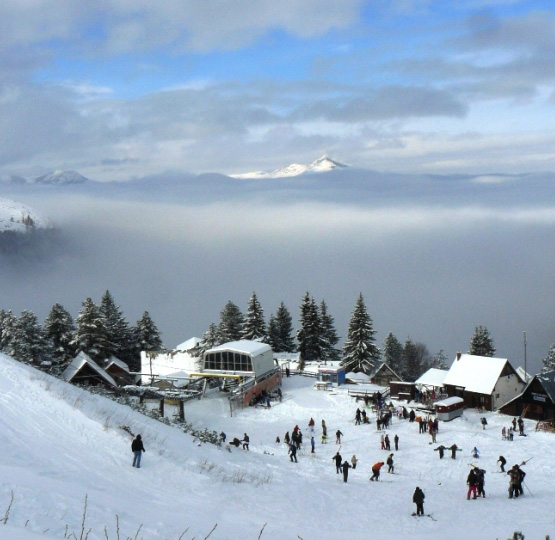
(345, 468)
(137, 448)
(390, 463)
(502, 461)
(338, 459)
(418, 499)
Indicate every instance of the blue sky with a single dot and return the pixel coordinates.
(231, 86)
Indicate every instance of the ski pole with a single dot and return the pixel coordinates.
(527, 488)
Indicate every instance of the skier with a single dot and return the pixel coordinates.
(376, 471)
(222, 437)
(354, 462)
(246, 441)
(278, 440)
(293, 452)
(364, 417)
(515, 480)
(480, 476)
(390, 463)
(454, 449)
(137, 448)
(311, 423)
(475, 453)
(357, 417)
(345, 468)
(382, 441)
(235, 442)
(287, 439)
(338, 459)
(312, 443)
(387, 442)
(324, 432)
(396, 442)
(472, 481)
(440, 449)
(412, 415)
(418, 499)
(502, 461)
(338, 436)
(484, 422)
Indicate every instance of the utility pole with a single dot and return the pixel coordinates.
(525, 372)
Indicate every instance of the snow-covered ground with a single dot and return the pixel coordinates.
(61, 446)
(18, 217)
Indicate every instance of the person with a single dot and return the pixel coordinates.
(382, 441)
(514, 481)
(433, 433)
(137, 448)
(440, 449)
(287, 439)
(357, 417)
(268, 402)
(280, 395)
(475, 453)
(287, 372)
(503, 434)
(387, 442)
(436, 425)
(338, 459)
(235, 442)
(278, 440)
(365, 417)
(511, 433)
(246, 441)
(502, 461)
(354, 462)
(514, 424)
(338, 436)
(311, 423)
(222, 437)
(412, 415)
(324, 431)
(376, 471)
(472, 481)
(454, 449)
(396, 442)
(418, 499)
(292, 452)
(312, 443)
(390, 464)
(520, 426)
(481, 480)
(299, 439)
(345, 468)
(484, 422)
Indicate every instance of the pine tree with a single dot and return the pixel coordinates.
(284, 326)
(411, 361)
(274, 337)
(481, 343)
(91, 336)
(393, 353)
(209, 340)
(8, 324)
(329, 337)
(310, 334)
(439, 361)
(254, 327)
(231, 323)
(549, 361)
(360, 353)
(27, 343)
(146, 338)
(58, 329)
(118, 333)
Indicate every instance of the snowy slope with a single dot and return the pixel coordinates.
(60, 444)
(18, 217)
(323, 164)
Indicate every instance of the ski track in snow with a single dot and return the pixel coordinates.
(60, 444)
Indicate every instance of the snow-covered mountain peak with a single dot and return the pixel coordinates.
(18, 217)
(61, 177)
(322, 164)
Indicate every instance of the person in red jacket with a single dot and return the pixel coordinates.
(376, 470)
(472, 481)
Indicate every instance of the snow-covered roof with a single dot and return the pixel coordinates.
(449, 401)
(523, 375)
(548, 382)
(433, 377)
(358, 377)
(78, 362)
(117, 362)
(243, 346)
(475, 373)
(189, 344)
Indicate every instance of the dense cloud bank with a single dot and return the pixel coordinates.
(433, 256)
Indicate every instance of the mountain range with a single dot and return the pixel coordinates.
(322, 164)
(54, 178)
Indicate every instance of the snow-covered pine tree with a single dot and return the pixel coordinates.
(90, 335)
(439, 360)
(329, 337)
(231, 323)
(481, 343)
(254, 327)
(209, 340)
(411, 361)
(8, 324)
(146, 337)
(360, 353)
(27, 343)
(393, 353)
(274, 337)
(284, 325)
(549, 361)
(310, 332)
(58, 329)
(120, 342)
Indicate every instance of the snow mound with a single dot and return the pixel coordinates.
(321, 165)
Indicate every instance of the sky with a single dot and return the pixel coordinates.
(64, 448)
(120, 90)
(444, 221)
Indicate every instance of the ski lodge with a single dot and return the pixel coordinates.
(482, 382)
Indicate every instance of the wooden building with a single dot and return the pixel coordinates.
(84, 370)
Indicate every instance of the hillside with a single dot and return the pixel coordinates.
(20, 218)
(61, 444)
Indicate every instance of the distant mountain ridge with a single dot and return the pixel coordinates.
(59, 178)
(20, 218)
(321, 165)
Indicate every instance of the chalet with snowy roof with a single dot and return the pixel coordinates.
(482, 382)
(537, 400)
(84, 370)
(383, 375)
(119, 371)
(156, 365)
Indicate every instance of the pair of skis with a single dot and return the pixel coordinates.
(424, 515)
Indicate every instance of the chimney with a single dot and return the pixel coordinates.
(458, 355)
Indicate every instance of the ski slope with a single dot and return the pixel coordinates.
(61, 446)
